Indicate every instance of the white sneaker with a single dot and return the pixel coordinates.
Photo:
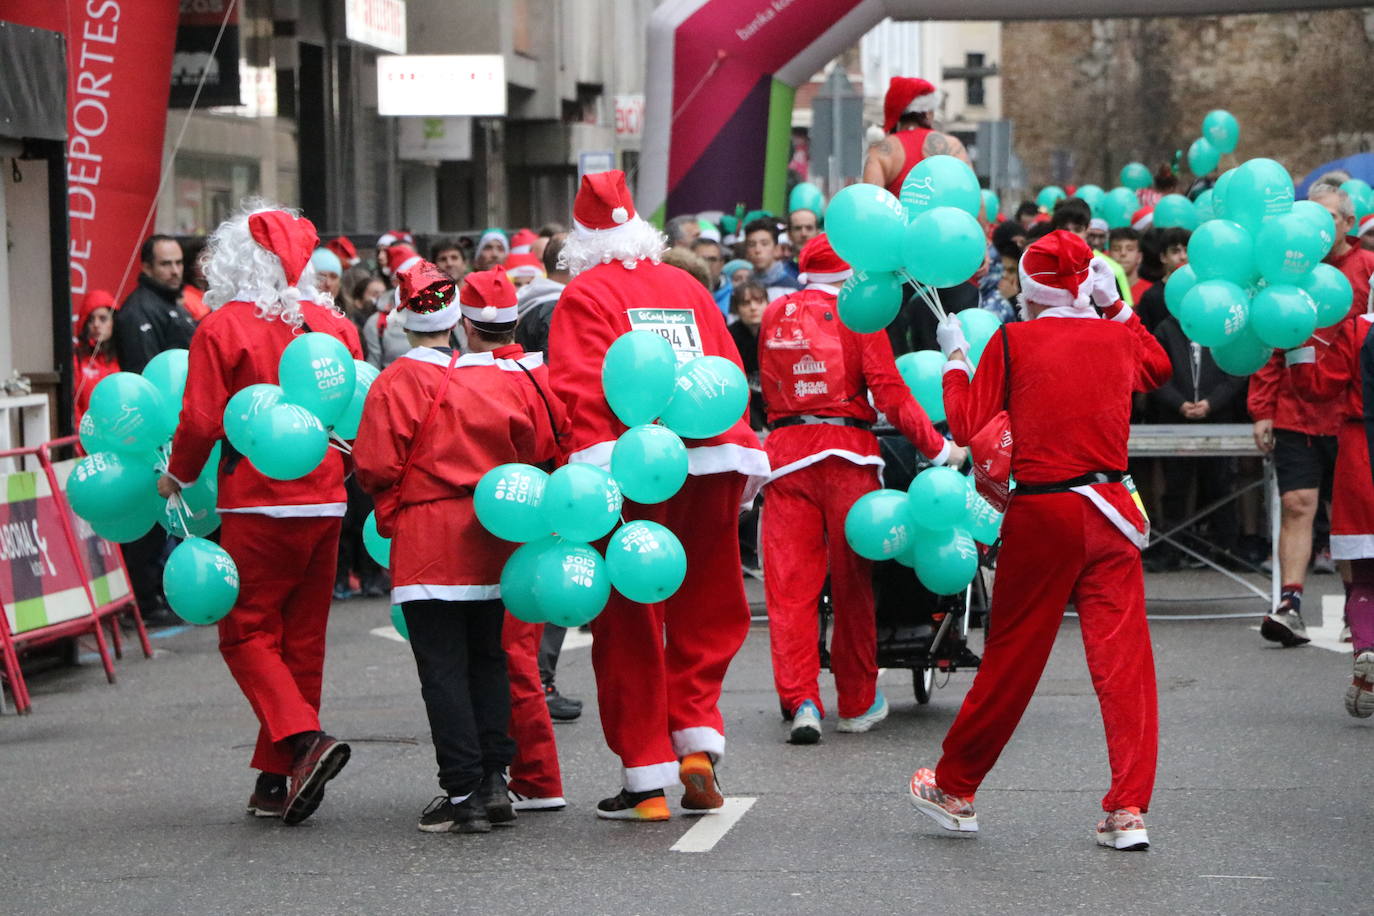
(526, 803)
(1123, 830)
(806, 724)
(1359, 696)
(876, 713)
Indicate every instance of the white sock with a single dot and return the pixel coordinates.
(458, 799)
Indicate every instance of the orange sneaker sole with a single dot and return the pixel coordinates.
(699, 779)
(651, 809)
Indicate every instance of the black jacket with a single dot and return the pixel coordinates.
(151, 320)
(1218, 389)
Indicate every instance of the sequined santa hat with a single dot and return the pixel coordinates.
(429, 300)
(488, 299)
(819, 263)
(1055, 271)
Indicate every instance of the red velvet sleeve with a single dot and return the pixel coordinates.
(380, 449)
(971, 405)
(581, 334)
(208, 378)
(1153, 367)
(1322, 374)
(892, 396)
(1263, 396)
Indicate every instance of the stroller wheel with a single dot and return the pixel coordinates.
(922, 683)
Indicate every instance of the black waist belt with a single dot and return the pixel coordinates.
(808, 420)
(1063, 486)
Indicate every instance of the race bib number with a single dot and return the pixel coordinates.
(677, 326)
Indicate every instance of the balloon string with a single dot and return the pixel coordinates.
(179, 505)
(340, 443)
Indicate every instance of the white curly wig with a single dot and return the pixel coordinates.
(628, 243)
(238, 269)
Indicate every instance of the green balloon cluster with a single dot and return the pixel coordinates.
(878, 525)
(710, 395)
(1136, 176)
(869, 301)
(377, 547)
(201, 581)
(1049, 196)
(940, 181)
(1118, 206)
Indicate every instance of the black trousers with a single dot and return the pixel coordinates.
(550, 647)
(463, 681)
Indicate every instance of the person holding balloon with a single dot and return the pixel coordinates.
(816, 375)
(659, 666)
(1060, 386)
(281, 507)
(435, 422)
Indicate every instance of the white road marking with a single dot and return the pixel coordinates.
(388, 632)
(711, 828)
(576, 639)
(1243, 877)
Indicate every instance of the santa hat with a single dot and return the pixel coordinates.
(819, 263)
(488, 298)
(603, 202)
(522, 242)
(907, 95)
(1143, 219)
(400, 258)
(493, 235)
(395, 237)
(1365, 225)
(429, 300)
(1098, 224)
(344, 248)
(1055, 270)
(326, 262)
(524, 265)
(291, 238)
(95, 299)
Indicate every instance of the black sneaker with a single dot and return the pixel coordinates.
(634, 806)
(269, 796)
(497, 801)
(443, 816)
(564, 709)
(439, 816)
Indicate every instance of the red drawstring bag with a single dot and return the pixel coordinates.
(991, 446)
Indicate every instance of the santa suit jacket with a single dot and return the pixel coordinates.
(1072, 379)
(867, 366)
(232, 349)
(608, 300)
(498, 409)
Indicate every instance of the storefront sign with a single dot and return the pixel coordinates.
(378, 23)
(442, 85)
(436, 139)
(197, 29)
(629, 116)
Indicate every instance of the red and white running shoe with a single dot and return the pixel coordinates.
(949, 811)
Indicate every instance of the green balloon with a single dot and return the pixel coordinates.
(201, 581)
(1260, 191)
(1332, 292)
(878, 525)
(649, 463)
(645, 561)
(806, 196)
(992, 206)
(518, 578)
(923, 372)
(1283, 316)
(123, 529)
(378, 547)
(940, 181)
(1175, 210)
(1222, 250)
(347, 424)
(979, 325)
(870, 300)
(91, 441)
(946, 561)
(944, 247)
(317, 372)
(1243, 354)
(129, 413)
(1093, 196)
(167, 372)
(508, 502)
(865, 225)
(581, 502)
(288, 441)
(1220, 129)
(1119, 206)
(398, 622)
(710, 396)
(1361, 196)
(1203, 157)
(246, 404)
(570, 583)
(192, 512)
(1049, 196)
(1136, 176)
(108, 485)
(938, 499)
(1288, 247)
(1219, 193)
(638, 375)
(1177, 286)
(984, 522)
(1321, 218)
(1213, 312)
(1203, 203)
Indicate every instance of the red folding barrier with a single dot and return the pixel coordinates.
(56, 591)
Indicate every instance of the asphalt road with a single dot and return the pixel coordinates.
(129, 799)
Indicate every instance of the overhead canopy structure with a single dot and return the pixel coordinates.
(723, 74)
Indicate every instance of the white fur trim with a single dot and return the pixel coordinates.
(1300, 355)
(1145, 222)
(490, 314)
(818, 457)
(1070, 312)
(628, 243)
(837, 277)
(697, 739)
(521, 249)
(957, 365)
(407, 264)
(701, 460)
(942, 459)
(1124, 315)
(1033, 290)
(928, 102)
(620, 215)
(441, 320)
(828, 288)
(1352, 546)
(1140, 539)
(492, 236)
(444, 593)
(310, 510)
(651, 777)
(468, 360)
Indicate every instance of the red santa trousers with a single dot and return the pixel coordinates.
(659, 667)
(273, 639)
(803, 527)
(1057, 548)
(534, 771)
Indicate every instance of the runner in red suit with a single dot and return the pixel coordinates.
(282, 534)
(816, 376)
(1073, 531)
(658, 667)
(1335, 376)
(435, 423)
